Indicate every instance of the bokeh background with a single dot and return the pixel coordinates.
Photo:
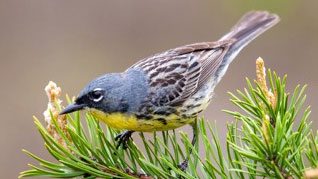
(73, 41)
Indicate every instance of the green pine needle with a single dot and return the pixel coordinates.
(263, 141)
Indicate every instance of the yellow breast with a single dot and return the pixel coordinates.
(130, 122)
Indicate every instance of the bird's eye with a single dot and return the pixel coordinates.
(97, 95)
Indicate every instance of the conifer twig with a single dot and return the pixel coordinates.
(52, 112)
(263, 141)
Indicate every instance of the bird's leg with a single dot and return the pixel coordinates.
(184, 165)
(123, 138)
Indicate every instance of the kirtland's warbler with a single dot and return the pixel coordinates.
(169, 89)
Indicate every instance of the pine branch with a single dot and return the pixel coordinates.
(269, 142)
(270, 138)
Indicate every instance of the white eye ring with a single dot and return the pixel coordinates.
(97, 96)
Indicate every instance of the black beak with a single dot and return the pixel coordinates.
(72, 107)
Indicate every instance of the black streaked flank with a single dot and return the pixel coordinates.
(198, 98)
(144, 116)
(162, 120)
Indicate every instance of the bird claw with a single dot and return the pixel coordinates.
(184, 165)
(123, 139)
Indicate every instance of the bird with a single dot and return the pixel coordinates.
(169, 89)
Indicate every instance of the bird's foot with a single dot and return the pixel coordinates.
(184, 165)
(123, 138)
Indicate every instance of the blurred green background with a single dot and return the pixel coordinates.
(73, 41)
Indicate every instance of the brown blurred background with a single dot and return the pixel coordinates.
(72, 42)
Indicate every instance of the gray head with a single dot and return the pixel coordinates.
(115, 92)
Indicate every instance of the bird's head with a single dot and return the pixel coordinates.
(96, 94)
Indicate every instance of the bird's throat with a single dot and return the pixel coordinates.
(116, 120)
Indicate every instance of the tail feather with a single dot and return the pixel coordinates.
(250, 26)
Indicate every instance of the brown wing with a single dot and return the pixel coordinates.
(178, 73)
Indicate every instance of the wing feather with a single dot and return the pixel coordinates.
(178, 73)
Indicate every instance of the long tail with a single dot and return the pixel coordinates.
(250, 26)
